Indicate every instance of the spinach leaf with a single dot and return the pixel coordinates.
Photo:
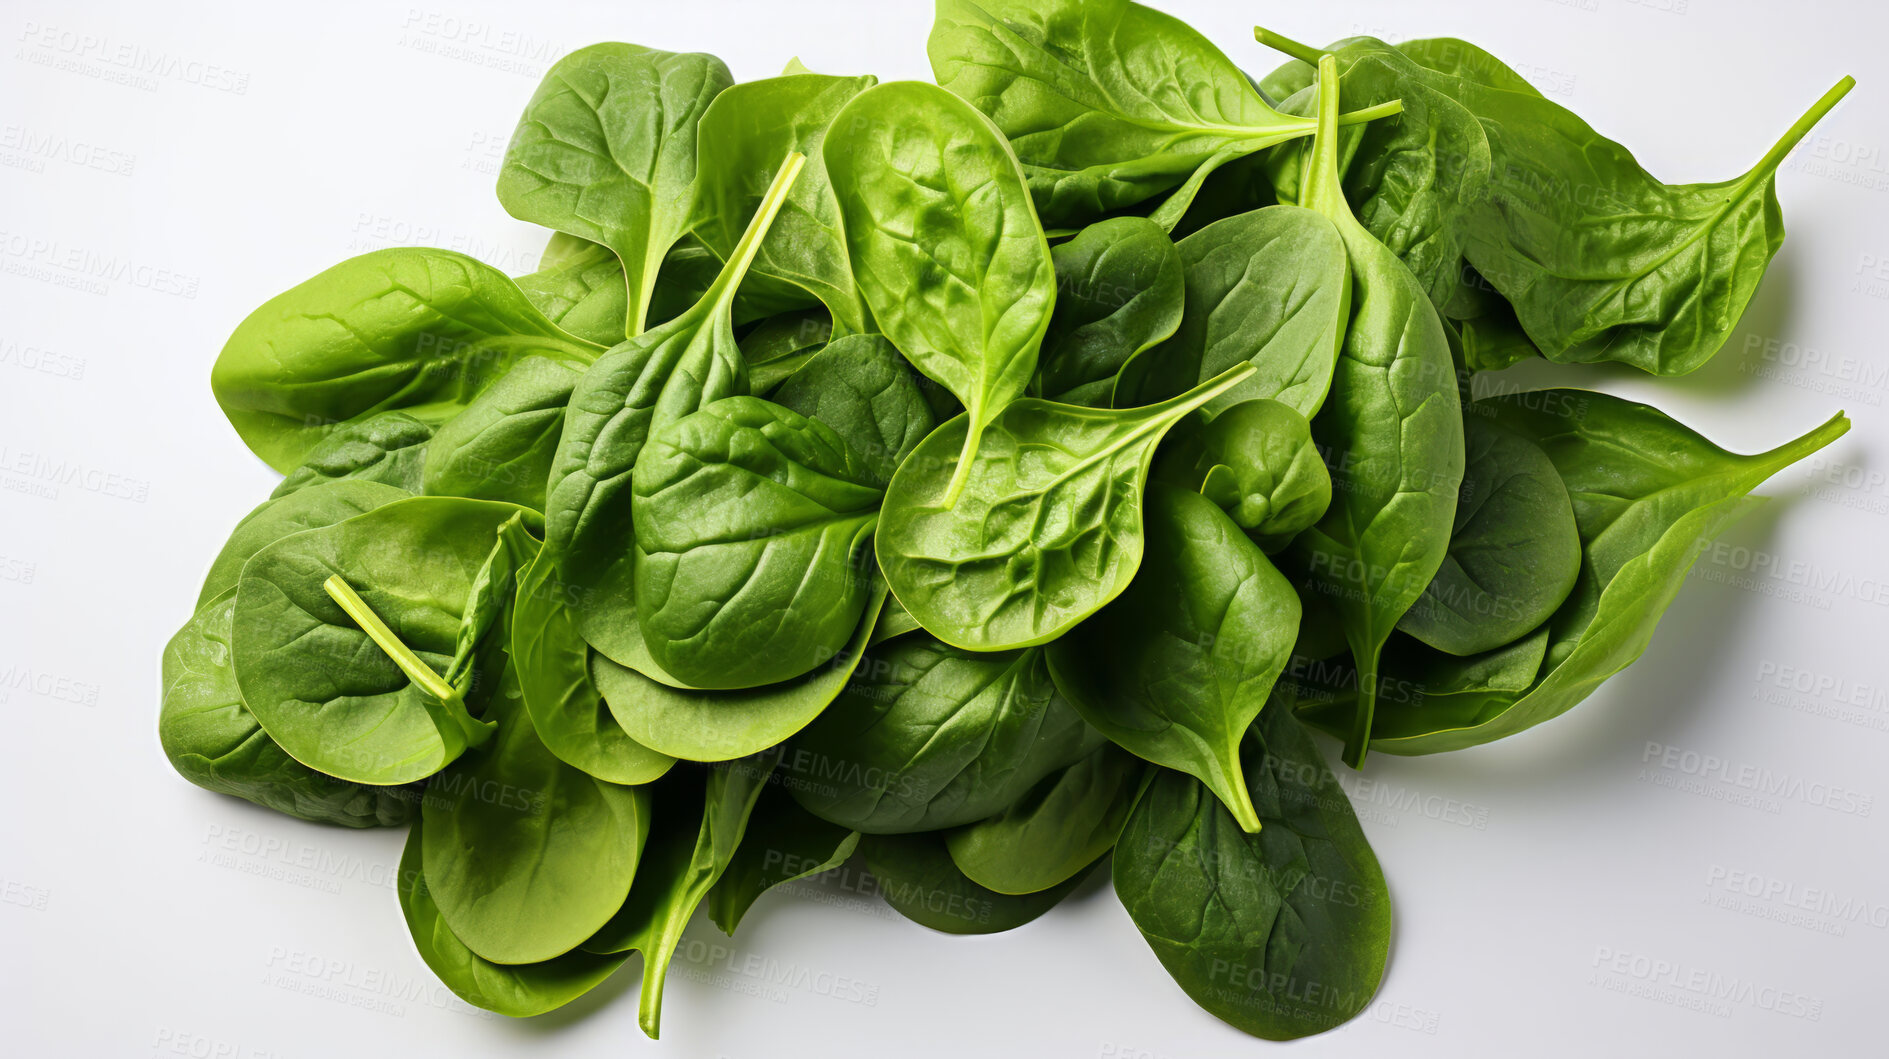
(1415, 180)
(1270, 288)
(1056, 831)
(553, 667)
(680, 867)
(213, 740)
(861, 387)
(579, 286)
(322, 504)
(1649, 495)
(927, 736)
(526, 857)
(753, 534)
(1178, 666)
(518, 990)
(944, 243)
(1514, 552)
(1119, 291)
(749, 131)
(1107, 103)
(656, 378)
(783, 843)
(500, 447)
(606, 151)
(781, 345)
(1492, 339)
(720, 725)
(917, 877)
(409, 329)
(1282, 933)
(894, 620)
(366, 702)
(1257, 462)
(389, 448)
(1047, 529)
(1602, 261)
(1392, 434)
(1422, 676)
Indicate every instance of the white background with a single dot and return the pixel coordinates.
(1556, 894)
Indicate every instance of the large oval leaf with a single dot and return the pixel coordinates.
(753, 528)
(525, 856)
(944, 242)
(1283, 933)
(927, 736)
(1047, 529)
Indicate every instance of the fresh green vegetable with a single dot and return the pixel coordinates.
(1056, 831)
(1600, 260)
(781, 345)
(918, 878)
(1047, 527)
(500, 447)
(414, 330)
(346, 676)
(606, 151)
(654, 379)
(518, 990)
(1395, 429)
(719, 725)
(1283, 932)
(321, 503)
(389, 448)
(806, 504)
(945, 245)
(1649, 496)
(750, 130)
(580, 287)
(863, 389)
(567, 708)
(1176, 669)
(928, 736)
(525, 856)
(1514, 553)
(783, 842)
(1257, 462)
(1107, 103)
(213, 740)
(688, 860)
(753, 543)
(1119, 290)
(1271, 288)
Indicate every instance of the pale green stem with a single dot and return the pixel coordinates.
(411, 664)
(1305, 53)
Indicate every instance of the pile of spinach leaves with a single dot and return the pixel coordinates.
(952, 476)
